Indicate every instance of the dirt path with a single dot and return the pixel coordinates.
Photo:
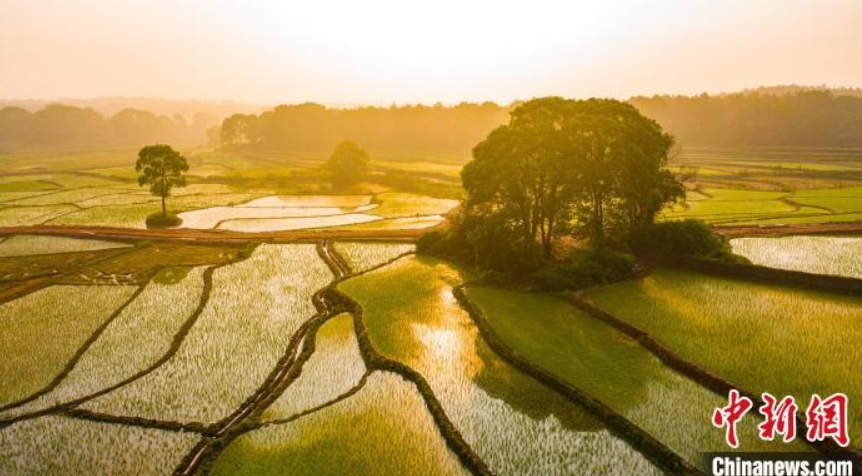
(216, 236)
(778, 230)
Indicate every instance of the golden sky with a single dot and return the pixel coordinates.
(381, 52)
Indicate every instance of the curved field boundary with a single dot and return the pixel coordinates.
(80, 352)
(835, 228)
(289, 367)
(765, 274)
(219, 236)
(700, 375)
(650, 447)
(179, 337)
(375, 361)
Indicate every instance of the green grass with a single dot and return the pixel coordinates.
(361, 256)
(515, 424)
(765, 338)
(383, 429)
(839, 200)
(27, 186)
(254, 308)
(43, 330)
(410, 223)
(64, 446)
(21, 216)
(813, 254)
(147, 325)
(409, 205)
(280, 224)
(27, 245)
(598, 359)
(335, 367)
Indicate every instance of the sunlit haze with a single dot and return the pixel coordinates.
(380, 52)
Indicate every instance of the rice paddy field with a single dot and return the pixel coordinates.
(832, 255)
(326, 357)
(770, 186)
(614, 368)
(765, 338)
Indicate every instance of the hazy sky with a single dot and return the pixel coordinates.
(376, 51)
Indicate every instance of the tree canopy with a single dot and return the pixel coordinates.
(162, 168)
(347, 166)
(563, 167)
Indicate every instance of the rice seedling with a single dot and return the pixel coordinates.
(123, 198)
(301, 223)
(254, 309)
(813, 254)
(64, 197)
(765, 338)
(44, 329)
(66, 446)
(515, 424)
(335, 367)
(20, 216)
(210, 217)
(839, 200)
(383, 429)
(361, 256)
(408, 223)
(28, 245)
(407, 204)
(147, 325)
(311, 201)
(608, 365)
(126, 216)
(26, 187)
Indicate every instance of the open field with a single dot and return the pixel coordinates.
(610, 366)
(758, 334)
(511, 421)
(834, 255)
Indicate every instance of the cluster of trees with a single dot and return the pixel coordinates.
(61, 126)
(312, 128)
(778, 117)
(347, 166)
(592, 169)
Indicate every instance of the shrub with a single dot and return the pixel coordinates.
(586, 269)
(686, 238)
(157, 220)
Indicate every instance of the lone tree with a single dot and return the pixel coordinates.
(348, 165)
(161, 168)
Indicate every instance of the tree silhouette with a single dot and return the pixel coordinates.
(161, 168)
(348, 165)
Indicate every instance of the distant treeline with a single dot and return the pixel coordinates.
(395, 130)
(62, 126)
(813, 118)
(784, 116)
(810, 118)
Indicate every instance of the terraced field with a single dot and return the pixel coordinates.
(832, 255)
(758, 334)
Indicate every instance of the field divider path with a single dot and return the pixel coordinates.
(219, 236)
(69, 408)
(40, 281)
(650, 447)
(765, 274)
(70, 364)
(376, 361)
(700, 375)
(289, 367)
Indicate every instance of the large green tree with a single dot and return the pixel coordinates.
(562, 165)
(162, 168)
(348, 165)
